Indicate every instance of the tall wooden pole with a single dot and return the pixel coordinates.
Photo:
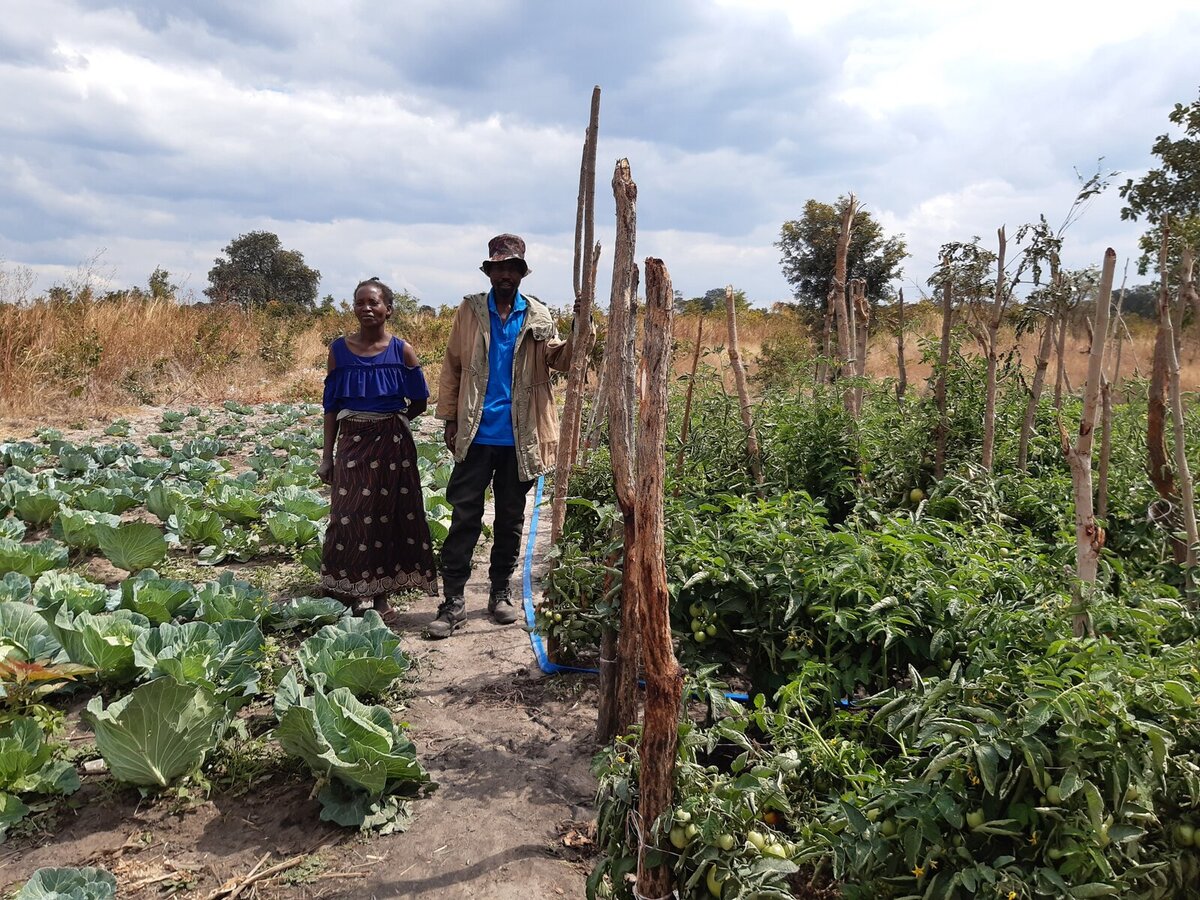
(862, 325)
(902, 380)
(687, 401)
(939, 391)
(1042, 363)
(585, 291)
(837, 298)
(1089, 536)
(618, 697)
(739, 377)
(1182, 471)
(1106, 389)
(664, 678)
(993, 328)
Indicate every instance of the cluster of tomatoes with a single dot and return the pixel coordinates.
(704, 622)
(762, 842)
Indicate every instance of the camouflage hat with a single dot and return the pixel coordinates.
(505, 247)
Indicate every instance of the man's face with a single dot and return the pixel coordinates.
(506, 277)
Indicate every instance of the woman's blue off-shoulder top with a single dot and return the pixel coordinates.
(379, 383)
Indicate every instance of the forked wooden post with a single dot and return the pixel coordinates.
(739, 377)
(585, 291)
(1089, 537)
(617, 709)
(861, 312)
(648, 579)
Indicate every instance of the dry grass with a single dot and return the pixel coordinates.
(78, 360)
(92, 359)
(759, 329)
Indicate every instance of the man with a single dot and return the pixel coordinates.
(496, 399)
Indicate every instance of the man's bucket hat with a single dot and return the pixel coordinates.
(504, 247)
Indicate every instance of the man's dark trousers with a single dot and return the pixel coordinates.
(484, 464)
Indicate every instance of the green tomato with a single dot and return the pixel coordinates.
(889, 827)
(725, 842)
(696, 625)
(695, 610)
(713, 881)
(975, 818)
(1054, 795)
(756, 839)
(776, 850)
(873, 814)
(690, 832)
(916, 495)
(700, 636)
(678, 837)
(711, 630)
(558, 617)
(1185, 835)
(682, 816)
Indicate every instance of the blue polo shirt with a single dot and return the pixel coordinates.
(495, 427)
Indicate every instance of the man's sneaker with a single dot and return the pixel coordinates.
(500, 606)
(452, 612)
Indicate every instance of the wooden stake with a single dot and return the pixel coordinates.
(585, 291)
(687, 402)
(1042, 363)
(902, 380)
(993, 327)
(1182, 471)
(739, 377)
(1106, 389)
(939, 391)
(1089, 537)
(837, 299)
(664, 678)
(862, 325)
(619, 384)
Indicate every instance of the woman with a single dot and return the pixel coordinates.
(378, 539)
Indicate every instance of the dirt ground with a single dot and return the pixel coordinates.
(508, 747)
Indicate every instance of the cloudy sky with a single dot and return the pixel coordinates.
(393, 139)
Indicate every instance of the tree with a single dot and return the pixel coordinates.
(809, 246)
(160, 284)
(713, 299)
(256, 269)
(1170, 191)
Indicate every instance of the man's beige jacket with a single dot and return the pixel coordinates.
(464, 379)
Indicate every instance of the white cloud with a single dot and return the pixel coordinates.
(396, 143)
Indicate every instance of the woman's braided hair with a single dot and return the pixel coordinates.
(388, 296)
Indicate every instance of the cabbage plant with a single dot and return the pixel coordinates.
(103, 641)
(368, 760)
(27, 767)
(31, 560)
(25, 635)
(158, 599)
(362, 655)
(158, 732)
(70, 590)
(133, 546)
(87, 883)
(222, 658)
(79, 528)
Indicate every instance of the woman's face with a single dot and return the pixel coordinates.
(369, 305)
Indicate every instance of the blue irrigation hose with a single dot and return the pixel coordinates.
(539, 648)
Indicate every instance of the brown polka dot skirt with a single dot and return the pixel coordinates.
(378, 540)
